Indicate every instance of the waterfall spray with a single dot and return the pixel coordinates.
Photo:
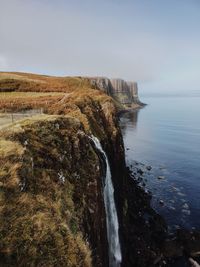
(111, 212)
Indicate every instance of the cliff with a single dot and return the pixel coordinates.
(125, 93)
(52, 211)
(51, 202)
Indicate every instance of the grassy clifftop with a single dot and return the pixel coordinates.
(51, 203)
(74, 96)
(27, 82)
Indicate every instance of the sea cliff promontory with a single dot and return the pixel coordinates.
(60, 141)
(52, 177)
(122, 91)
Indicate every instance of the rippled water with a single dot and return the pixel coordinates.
(166, 135)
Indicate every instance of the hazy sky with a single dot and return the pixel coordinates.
(155, 42)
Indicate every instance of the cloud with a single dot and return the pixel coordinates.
(135, 40)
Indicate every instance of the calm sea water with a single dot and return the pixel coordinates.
(166, 135)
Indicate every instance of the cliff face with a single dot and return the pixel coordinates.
(125, 93)
(51, 203)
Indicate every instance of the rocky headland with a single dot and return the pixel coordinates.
(52, 177)
(126, 93)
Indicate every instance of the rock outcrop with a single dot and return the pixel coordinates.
(125, 93)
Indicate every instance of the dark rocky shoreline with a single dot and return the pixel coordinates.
(149, 239)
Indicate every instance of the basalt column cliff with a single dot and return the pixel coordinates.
(126, 93)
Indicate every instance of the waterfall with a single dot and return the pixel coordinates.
(111, 212)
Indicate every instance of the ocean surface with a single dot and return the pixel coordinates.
(163, 139)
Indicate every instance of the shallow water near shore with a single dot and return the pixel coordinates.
(162, 144)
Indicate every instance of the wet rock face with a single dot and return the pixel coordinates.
(126, 93)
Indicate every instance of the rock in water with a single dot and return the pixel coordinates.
(161, 177)
(161, 202)
(148, 168)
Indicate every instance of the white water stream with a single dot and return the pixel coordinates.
(111, 213)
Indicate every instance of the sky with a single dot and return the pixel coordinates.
(153, 42)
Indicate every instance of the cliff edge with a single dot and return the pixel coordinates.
(125, 93)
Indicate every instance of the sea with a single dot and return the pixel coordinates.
(163, 141)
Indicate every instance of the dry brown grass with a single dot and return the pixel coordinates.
(40, 223)
(8, 148)
(16, 101)
(42, 218)
(22, 82)
(80, 100)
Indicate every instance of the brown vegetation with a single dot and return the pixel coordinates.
(51, 207)
(14, 101)
(80, 100)
(40, 223)
(23, 82)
